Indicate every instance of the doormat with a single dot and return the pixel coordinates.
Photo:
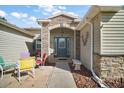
(62, 59)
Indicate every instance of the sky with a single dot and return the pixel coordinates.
(25, 16)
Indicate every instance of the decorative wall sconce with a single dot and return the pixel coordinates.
(85, 39)
(61, 27)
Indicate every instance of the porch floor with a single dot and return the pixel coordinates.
(61, 77)
(45, 77)
(40, 80)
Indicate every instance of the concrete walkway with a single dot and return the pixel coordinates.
(61, 77)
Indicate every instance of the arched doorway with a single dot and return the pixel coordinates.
(62, 42)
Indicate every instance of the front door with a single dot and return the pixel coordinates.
(61, 46)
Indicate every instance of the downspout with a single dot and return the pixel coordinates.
(95, 77)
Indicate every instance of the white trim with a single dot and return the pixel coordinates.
(41, 21)
(58, 26)
(64, 13)
(48, 42)
(74, 44)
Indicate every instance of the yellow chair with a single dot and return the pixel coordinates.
(26, 64)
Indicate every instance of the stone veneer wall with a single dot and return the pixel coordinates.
(60, 19)
(96, 64)
(44, 40)
(109, 66)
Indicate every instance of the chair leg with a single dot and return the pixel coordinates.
(19, 75)
(15, 71)
(33, 71)
(43, 65)
(1, 72)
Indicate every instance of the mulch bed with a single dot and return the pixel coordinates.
(83, 77)
(114, 83)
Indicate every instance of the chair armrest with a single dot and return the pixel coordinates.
(1, 68)
(10, 63)
(2, 63)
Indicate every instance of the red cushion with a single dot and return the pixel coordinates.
(38, 62)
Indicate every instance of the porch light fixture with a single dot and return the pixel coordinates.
(61, 27)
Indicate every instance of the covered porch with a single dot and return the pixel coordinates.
(59, 37)
(62, 43)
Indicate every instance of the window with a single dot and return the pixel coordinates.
(62, 43)
(38, 44)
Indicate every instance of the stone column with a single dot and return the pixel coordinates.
(44, 41)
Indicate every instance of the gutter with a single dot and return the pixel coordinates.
(95, 77)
